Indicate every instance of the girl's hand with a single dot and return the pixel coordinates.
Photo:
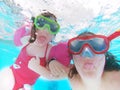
(34, 63)
(57, 69)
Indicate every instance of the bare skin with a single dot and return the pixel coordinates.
(60, 73)
(109, 81)
(91, 74)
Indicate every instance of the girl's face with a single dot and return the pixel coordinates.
(43, 37)
(89, 67)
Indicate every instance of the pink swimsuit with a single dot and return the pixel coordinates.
(23, 75)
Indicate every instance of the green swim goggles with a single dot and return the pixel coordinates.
(42, 22)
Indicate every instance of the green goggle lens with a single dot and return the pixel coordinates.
(43, 22)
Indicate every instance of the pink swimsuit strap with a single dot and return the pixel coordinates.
(43, 60)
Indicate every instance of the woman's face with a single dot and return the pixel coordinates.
(43, 37)
(89, 67)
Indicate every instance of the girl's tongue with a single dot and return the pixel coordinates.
(41, 39)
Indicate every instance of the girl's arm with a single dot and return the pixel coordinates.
(34, 64)
(57, 68)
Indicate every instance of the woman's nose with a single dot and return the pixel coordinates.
(87, 52)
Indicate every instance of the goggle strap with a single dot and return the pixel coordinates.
(33, 19)
(114, 35)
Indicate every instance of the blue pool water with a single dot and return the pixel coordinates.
(9, 52)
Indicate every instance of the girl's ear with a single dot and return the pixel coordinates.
(36, 33)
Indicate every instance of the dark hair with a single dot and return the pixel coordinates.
(33, 30)
(111, 63)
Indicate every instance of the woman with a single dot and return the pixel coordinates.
(43, 31)
(94, 68)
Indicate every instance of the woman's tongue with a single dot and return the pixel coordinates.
(41, 39)
(89, 66)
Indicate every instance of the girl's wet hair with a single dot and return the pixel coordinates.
(33, 30)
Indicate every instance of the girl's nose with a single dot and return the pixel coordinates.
(42, 31)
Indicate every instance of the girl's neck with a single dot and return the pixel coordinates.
(34, 49)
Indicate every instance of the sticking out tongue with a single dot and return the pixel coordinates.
(41, 39)
(89, 66)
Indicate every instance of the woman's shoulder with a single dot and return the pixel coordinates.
(112, 75)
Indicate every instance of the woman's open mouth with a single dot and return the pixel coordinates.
(89, 67)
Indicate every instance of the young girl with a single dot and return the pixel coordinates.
(43, 31)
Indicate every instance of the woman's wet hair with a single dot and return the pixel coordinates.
(33, 30)
(111, 63)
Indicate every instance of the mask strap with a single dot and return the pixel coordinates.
(114, 35)
(33, 19)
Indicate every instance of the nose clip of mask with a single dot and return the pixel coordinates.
(87, 53)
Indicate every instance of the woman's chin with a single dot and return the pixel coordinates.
(89, 73)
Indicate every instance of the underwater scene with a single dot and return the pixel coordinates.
(75, 16)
